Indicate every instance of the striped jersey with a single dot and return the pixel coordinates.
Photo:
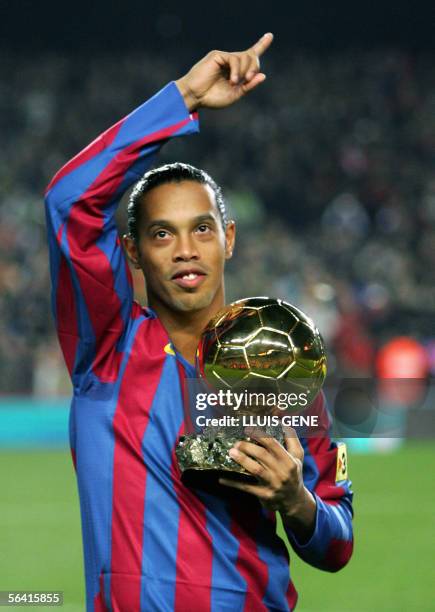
(150, 543)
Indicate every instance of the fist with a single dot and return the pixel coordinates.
(221, 78)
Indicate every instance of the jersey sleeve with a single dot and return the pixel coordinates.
(92, 291)
(325, 475)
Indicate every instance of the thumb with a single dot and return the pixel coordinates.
(292, 443)
(259, 78)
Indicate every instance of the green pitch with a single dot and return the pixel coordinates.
(392, 566)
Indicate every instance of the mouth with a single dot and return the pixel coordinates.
(188, 279)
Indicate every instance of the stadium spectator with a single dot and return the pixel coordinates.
(342, 167)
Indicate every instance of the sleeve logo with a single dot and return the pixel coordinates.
(341, 473)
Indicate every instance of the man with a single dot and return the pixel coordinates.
(151, 543)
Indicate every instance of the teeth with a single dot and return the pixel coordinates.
(190, 276)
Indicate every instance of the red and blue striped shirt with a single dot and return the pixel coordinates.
(151, 543)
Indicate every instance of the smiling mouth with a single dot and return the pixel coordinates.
(188, 280)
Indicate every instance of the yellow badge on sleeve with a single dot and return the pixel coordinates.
(341, 473)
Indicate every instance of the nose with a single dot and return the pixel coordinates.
(185, 249)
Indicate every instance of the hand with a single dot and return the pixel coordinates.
(279, 472)
(221, 78)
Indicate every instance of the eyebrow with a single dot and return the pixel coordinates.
(168, 224)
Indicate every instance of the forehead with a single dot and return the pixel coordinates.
(178, 202)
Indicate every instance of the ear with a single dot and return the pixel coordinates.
(131, 250)
(230, 239)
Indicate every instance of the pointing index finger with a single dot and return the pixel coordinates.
(262, 44)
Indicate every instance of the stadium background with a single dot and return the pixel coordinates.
(329, 170)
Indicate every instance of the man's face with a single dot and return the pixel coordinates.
(182, 247)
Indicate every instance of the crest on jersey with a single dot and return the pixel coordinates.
(341, 473)
(168, 349)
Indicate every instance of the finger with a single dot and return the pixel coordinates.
(234, 65)
(254, 67)
(254, 82)
(259, 470)
(262, 44)
(259, 451)
(259, 491)
(245, 65)
(274, 448)
(228, 62)
(292, 443)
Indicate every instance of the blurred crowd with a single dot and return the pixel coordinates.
(329, 170)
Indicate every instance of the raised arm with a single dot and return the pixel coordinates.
(92, 292)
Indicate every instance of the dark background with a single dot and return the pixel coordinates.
(134, 24)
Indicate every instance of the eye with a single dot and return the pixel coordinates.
(160, 234)
(203, 228)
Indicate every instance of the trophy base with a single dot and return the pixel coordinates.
(203, 460)
(208, 480)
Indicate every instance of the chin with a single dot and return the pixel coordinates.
(191, 303)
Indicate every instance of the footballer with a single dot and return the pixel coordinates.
(151, 543)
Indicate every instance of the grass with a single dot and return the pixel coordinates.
(392, 566)
(394, 527)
